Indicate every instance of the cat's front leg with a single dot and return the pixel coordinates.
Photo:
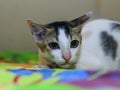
(40, 67)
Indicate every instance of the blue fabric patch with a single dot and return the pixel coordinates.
(65, 76)
(70, 75)
(46, 73)
(21, 72)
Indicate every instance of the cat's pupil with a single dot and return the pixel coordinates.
(53, 45)
(74, 43)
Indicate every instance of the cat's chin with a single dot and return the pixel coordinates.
(67, 66)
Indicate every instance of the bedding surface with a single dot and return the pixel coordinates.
(23, 77)
(16, 73)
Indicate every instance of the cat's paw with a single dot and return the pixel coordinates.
(40, 67)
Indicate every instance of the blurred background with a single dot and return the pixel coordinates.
(15, 33)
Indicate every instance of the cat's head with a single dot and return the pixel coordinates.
(60, 42)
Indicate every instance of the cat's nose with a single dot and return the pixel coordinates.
(66, 57)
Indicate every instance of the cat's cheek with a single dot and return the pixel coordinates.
(57, 56)
(75, 54)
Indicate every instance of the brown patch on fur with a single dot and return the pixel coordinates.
(77, 29)
(42, 59)
(45, 62)
(86, 35)
(30, 22)
(80, 20)
(76, 34)
(42, 46)
(49, 30)
(83, 18)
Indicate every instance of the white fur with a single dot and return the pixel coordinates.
(64, 43)
(92, 56)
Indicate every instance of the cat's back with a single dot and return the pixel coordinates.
(100, 24)
(100, 44)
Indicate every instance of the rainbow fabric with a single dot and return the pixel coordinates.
(14, 78)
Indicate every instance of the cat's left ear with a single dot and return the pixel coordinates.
(79, 21)
(38, 31)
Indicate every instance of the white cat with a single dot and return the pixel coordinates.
(100, 45)
(63, 45)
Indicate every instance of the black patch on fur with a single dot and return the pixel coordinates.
(57, 25)
(109, 45)
(115, 26)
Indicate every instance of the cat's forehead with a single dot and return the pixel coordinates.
(63, 29)
(57, 26)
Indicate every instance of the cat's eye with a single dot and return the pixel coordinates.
(53, 45)
(74, 43)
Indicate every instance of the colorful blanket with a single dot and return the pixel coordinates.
(13, 77)
(16, 73)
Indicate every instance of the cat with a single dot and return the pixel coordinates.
(73, 45)
(100, 47)
(59, 42)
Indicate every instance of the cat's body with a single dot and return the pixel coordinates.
(100, 45)
(60, 43)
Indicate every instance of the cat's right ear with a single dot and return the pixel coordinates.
(81, 20)
(38, 31)
(77, 23)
